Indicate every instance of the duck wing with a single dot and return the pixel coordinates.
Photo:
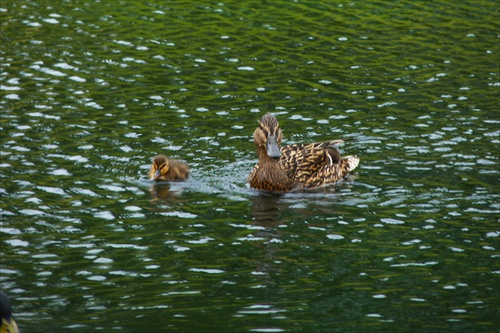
(303, 162)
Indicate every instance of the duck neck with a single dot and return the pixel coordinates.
(272, 177)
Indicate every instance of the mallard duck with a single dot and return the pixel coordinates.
(295, 166)
(8, 324)
(164, 168)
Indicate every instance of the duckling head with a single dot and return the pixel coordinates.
(268, 136)
(7, 324)
(160, 167)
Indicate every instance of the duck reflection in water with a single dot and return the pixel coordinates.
(161, 192)
(272, 209)
(266, 209)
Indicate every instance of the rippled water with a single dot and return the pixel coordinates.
(91, 91)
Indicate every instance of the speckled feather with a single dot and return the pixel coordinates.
(300, 165)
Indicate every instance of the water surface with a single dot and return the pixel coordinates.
(91, 91)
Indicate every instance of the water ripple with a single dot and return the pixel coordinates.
(84, 230)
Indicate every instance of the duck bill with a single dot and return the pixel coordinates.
(157, 173)
(272, 147)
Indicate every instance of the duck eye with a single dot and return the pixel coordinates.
(266, 133)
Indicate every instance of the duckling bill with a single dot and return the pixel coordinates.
(283, 169)
(166, 169)
(8, 324)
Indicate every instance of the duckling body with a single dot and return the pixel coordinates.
(295, 166)
(165, 169)
(7, 324)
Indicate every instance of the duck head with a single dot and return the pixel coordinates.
(160, 167)
(268, 136)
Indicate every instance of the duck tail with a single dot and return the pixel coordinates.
(350, 162)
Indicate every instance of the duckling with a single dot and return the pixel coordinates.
(283, 169)
(164, 168)
(8, 324)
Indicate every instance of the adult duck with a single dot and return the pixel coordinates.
(283, 169)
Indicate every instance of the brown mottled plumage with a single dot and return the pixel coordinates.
(295, 166)
(164, 168)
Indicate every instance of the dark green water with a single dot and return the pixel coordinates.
(90, 91)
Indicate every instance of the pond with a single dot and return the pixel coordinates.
(91, 91)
